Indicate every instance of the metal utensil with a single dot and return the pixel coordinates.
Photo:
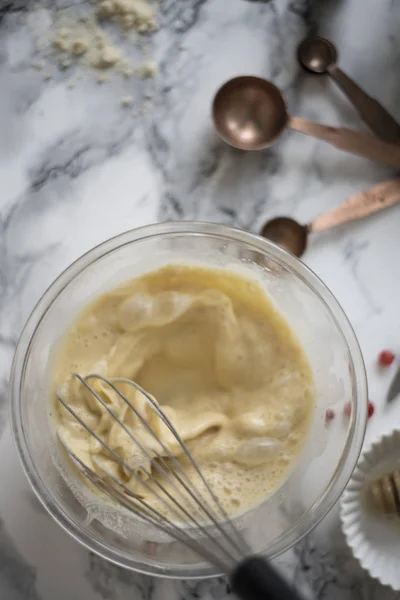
(394, 390)
(187, 513)
(318, 55)
(250, 113)
(292, 236)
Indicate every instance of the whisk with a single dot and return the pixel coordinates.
(201, 523)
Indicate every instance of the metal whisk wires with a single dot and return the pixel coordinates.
(192, 515)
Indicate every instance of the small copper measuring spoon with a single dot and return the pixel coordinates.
(292, 236)
(250, 113)
(319, 55)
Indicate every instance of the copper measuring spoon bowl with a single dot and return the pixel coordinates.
(292, 236)
(318, 55)
(250, 113)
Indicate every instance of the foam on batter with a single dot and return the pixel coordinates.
(222, 363)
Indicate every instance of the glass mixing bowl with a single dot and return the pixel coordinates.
(330, 452)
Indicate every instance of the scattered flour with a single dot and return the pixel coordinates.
(137, 15)
(38, 65)
(86, 41)
(147, 69)
(126, 101)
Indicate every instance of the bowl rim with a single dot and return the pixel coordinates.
(358, 419)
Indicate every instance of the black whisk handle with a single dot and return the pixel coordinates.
(255, 579)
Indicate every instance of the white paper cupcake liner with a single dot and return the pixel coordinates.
(373, 538)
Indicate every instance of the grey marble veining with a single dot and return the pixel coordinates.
(77, 168)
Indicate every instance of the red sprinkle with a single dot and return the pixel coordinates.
(371, 409)
(329, 415)
(150, 547)
(385, 358)
(347, 409)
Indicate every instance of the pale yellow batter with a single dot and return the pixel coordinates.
(218, 358)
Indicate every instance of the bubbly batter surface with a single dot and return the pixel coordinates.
(218, 358)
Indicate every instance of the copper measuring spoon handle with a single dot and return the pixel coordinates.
(360, 205)
(361, 144)
(371, 111)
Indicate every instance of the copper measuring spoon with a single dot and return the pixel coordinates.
(292, 236)
(319, 56)
(250, 113)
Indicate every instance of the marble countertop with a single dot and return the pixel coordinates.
(77, 168)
